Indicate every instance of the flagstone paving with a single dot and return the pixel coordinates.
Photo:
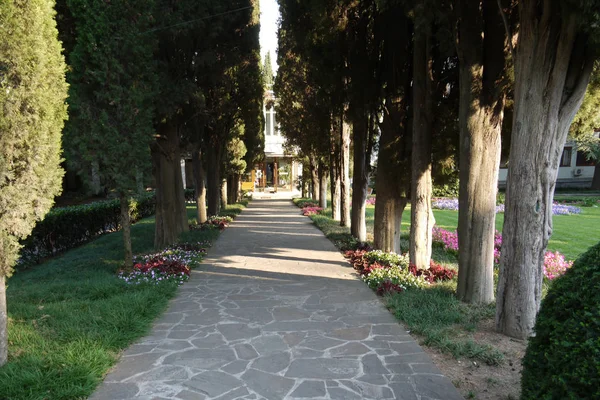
(275, 312)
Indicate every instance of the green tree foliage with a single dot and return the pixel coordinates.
(112, 93)
(32, 100)
(32, 95)
(588, 116)
(267, 72)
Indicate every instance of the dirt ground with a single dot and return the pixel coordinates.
(475, 380)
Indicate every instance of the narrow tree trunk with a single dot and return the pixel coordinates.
(223, 196)
(199, 187)
(552, 70)
(171, 216)
(139, 182)
(596, 179)
(344, 174)
(358, 223)
(314, 174)
(482, 60)
(334, 171)
(304, 185)
(213, 180)
(322, 185)
(232, 189)
(3, 322)
(126, 227)
(96, 185)
(422, 219)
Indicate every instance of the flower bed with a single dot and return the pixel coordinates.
(310, 210)
(554, 262)
(391, 272)
(452, 204)
(172, 264)
(214, 222)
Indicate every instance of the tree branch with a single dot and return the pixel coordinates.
(507, 28)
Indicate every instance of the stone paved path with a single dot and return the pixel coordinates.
(275, 312)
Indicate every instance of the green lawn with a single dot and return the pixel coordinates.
(70, 317)
(573, 234)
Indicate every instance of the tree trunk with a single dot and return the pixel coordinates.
(96, 185)
(199, 186)
(322, 185)
(422, 219)
(223, 196)
(213, 180)
(171, 216)
(358, 223)
(334, 170)
(232, 188)
(482, 66)
(314, 174)
(596, 179)
(344, 174)
(393, 177)
(3, 322)
(304, 185)
(126, 227)
(139, 182)
(552, 70)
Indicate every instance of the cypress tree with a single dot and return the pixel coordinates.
(32, 100)
(112, 92)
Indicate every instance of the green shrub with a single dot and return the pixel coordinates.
(390, 259)
(67, 227)
(395, 275)
(563, 359)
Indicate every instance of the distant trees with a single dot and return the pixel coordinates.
(32, 100)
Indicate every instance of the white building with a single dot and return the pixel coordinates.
(575, 170)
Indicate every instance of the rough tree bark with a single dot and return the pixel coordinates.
(199, 186)
(314, 175)
(171, 216)
(393, 179)
(305, 185)
(334, 171)
(3, 322)
(596, 178)
(344, 173)
(213, 178)
(126, 227)
(481, 51)
(422, 219)
(322, 185)
(552, 69)
(223, 196)
(358, 223)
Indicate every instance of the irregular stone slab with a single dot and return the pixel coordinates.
(435, 387)
(290, 314)
(368, 390)
(189, 395)
(310, 389)
(267, 344)
(235, 367)
(338, 393)
(238, 331)
(323, 368)
(272, 363)
(298, 326)
(262, 315)
(116, 391)
(129, 366)
(320, 343)
(372, 365)
(359, 333)
(268, 385)
(213, 383)
(245, 351)
(209, 342)
(202, 358)
(349, 349)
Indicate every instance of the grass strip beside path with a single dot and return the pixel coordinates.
(70, 317)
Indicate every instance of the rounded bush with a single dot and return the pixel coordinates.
(563, 359)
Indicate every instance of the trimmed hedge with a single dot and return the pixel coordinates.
(64, 228)
(563, 359)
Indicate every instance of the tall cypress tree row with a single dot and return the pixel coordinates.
(112, 93)
(32, 100)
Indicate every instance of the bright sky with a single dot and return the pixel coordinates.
(269, 16)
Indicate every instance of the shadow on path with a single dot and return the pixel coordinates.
(275, 312)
